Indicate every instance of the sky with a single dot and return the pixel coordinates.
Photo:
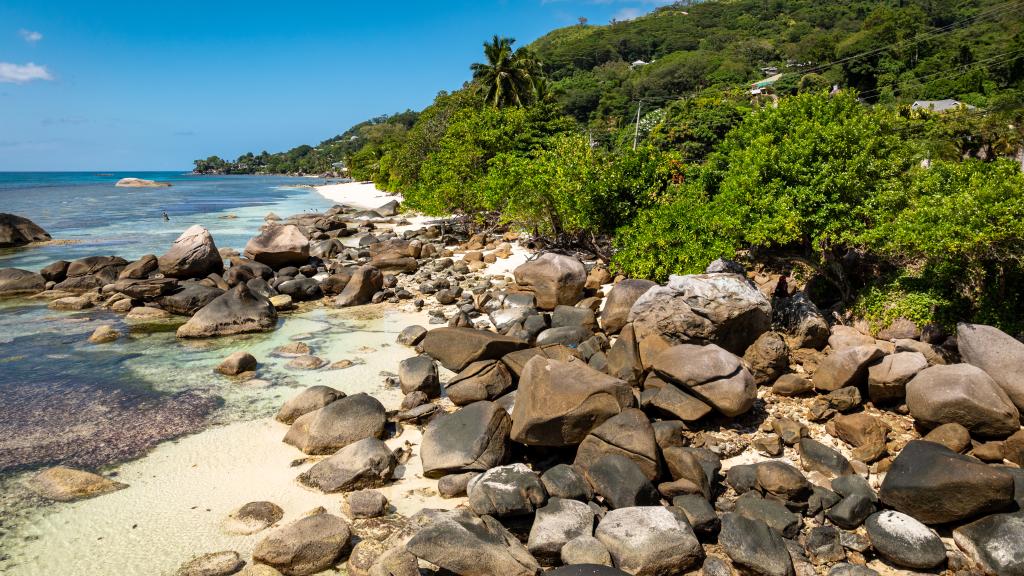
(112, 85)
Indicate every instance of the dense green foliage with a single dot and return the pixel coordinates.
(649, 130)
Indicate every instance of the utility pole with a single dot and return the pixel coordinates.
(636, 132)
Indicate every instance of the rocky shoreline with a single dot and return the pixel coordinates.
(588, 424)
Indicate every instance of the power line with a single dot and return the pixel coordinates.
(943, 74)
(995, 10)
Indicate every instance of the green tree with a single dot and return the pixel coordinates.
(507, 77)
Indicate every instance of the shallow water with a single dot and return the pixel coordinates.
(149, 408)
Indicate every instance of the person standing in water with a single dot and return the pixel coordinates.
(166, 217)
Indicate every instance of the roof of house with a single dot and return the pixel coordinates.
(764, 83)
(939, 105)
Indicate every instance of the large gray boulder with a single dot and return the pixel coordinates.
(367, 463)
(712, 374)
(310, 399)
(362, 285)
(193, 255)
(559, 403)
(278, 246)
(723, 309)
(964, 394)
(512, 490)
(483, 380)
(904, 541)
(629, 434)
(457, 348)
(556, 524)
(620, 300)
(649, 541)
(237, 311)
(338, 424)
(1000, 355)
(468, 545)
(553, 278)
(15, 281)
(887, 380)
(936, 485)
(994, 544)
(306, 546)
(846, 367)
(189, 298)
(754, 547)
(18, 231)
(472, 439)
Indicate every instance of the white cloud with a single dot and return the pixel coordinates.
(30, 36)
(22, 73)
(627, 14)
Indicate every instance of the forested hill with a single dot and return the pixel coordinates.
(905, 50)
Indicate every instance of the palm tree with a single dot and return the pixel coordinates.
(508, 76)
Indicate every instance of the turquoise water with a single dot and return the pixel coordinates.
(96, 218)
(64, 400)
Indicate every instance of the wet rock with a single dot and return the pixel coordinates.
(309, 400)
(722, 309)
(192, 255)
(710, 373)
(307, 362)
(904, 541)
(585, 550)
(18, 231)
(629, 434)
(1000, 355)
(936, 485)
(887, 380)
(253, 517)
(364, 283)
(279, 246)
(15, 281)
(564, 481)
(306, 546)
(963, 394)
(212, 564)
(237, 311)
(846, 367)
(993, 544)
(483, 380)
(457, 348)
(620, 300)
(190, 298)
(58, 271)
(301, 289)
(474, 438)
(556, 524)
(620, 482)
(237, 363)
(463, 543)
(338, 424)
(649, 541)
(553, 278)
(559, 403)
(104, 335)
(367, 463)
(137, 270)
(753, 546)
(64, 484)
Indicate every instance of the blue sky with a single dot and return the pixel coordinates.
(153, 85)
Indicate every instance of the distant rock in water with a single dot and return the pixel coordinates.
(141, 183)
(65, 484)
(18, 231)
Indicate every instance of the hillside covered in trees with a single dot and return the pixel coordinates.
(778, 131)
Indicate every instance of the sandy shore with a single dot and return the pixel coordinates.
(181, 492)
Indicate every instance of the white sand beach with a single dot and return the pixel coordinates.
(361, 195)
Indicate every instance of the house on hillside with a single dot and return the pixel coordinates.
(638, 64)
(940, 106)
(760, 86)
